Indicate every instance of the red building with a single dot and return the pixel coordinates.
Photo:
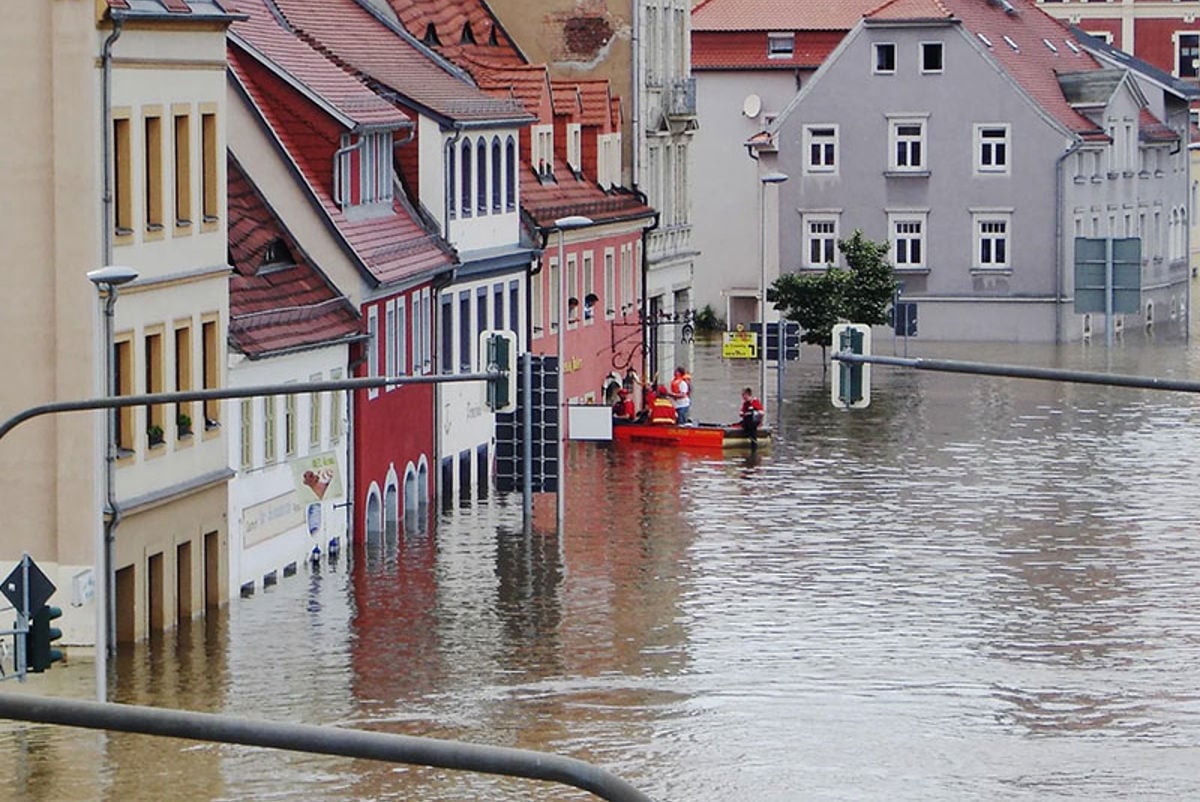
(319, 145)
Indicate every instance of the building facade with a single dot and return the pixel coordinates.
(979, 146)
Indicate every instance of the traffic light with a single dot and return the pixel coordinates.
(38, 652)
(498, 350)
(851, 381)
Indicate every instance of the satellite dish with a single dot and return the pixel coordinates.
(751, 106)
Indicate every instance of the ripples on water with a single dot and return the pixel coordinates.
(976, 588)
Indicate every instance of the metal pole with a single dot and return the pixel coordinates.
(106, 602)
(560, 496)
(762, 292)
(408, 749)
(1108, 292)
(527, 441)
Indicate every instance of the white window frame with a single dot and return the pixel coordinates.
(877, 49)
(901, 229)
(1193, 69)
(575, 146)
(781, 45)
(373, 347)
(991, 226)
(542, 137)
(402, 335)
(992, 151)
(588, 265)
(898, 137)
(826, 138)
(572, 274)
(537, 306)
(389, 348)
(827, 238)
(610, 284)
(925, 68)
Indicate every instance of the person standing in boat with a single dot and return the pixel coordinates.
(623, 409)
(681, 395)
(662, 411)
(751, 415)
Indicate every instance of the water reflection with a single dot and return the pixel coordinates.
(976, 587)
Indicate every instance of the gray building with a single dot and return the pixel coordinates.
(980, 144)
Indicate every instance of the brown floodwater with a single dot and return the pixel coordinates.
(976, 588)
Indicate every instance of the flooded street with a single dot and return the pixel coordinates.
(978, 587)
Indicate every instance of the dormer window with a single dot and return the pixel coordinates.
(468, 36)
(543, 151)
(277, 253)
(781, 45)
(575, 146)
(363, 170)
(493, 39)
(431, 38)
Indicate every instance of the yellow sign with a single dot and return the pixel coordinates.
(739, 345)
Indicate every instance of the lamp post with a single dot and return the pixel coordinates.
(107, 280)
(764, 180)
(563, 224)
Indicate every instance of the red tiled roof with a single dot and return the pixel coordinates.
(344, 30)
(566, 100)
(1151, 129)
(529, 84)
(545, 203)
(466, 31)
(747, 50)
(594, 97)
(326, 82)
(392, 246)
(1033, 65)
(284, 306)
(911, 10)
(779, 15)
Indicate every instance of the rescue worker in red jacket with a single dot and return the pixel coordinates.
(751, 415)
(662, 410)
(623, 409)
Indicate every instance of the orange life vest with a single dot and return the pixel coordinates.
(662, 411)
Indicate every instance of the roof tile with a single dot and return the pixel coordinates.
(779, 15)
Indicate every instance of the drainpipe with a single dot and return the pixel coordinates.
(644, 312)
(448, 151)
(338, 179)
(106, 618)
(106, 134)
(1059, 255)
(635, 121)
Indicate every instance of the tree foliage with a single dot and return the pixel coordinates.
(860, 293)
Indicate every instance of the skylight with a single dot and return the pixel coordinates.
(984, 39)
(1050, 45)
(1011, 43)
(1072, 46)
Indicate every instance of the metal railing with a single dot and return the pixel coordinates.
(412, 750)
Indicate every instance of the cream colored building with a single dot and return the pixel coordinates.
(114, 154)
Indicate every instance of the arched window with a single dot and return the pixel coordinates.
(497, 174)
(374, 516)
(481, 177)
(510, 177)
(466, 178)
(391, 520)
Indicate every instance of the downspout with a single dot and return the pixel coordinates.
(649, 360)
(635, 121)
(338, 179)
(1059, 195)
(106, 134)
(112, 519)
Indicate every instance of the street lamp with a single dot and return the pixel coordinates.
(107, 280)
(563, 224)
(764, 180)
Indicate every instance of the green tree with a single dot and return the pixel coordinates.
(860, 293)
